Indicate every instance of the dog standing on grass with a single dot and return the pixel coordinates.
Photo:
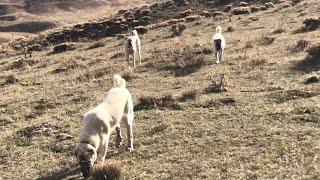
(99, 124)
(132, 47)
(218, 44)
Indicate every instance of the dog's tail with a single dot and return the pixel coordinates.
(218, 30)
(118, 81)
(135, 33)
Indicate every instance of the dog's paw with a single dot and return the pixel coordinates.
(130, 149)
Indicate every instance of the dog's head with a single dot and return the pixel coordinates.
(86, 156)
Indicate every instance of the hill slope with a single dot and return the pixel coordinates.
(20, 15)
(266, 125)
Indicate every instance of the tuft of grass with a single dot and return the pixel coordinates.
(217, 103)
(300, 46)
(266, 41)
(96, 45)
(177, 29)
(11, 79)
(189, 95)
(165, 102)
(108, 170)
(217, 86)
(284, 96)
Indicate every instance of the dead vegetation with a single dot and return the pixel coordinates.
(165, 102)
(68, 66)
(177, 29)
(300, 46)
(108, 170)
(217, 103)
(182, 61)
(10, 79)
(217, 86)
(95, 45)
(284, 96)
(43, 129)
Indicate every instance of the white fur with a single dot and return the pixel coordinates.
(134, 49)
(216, 36)
(102, 120)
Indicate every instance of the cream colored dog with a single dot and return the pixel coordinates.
(99, 124)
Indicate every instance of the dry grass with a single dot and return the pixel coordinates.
(266, 126)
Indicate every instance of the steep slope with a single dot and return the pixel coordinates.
(264, 126)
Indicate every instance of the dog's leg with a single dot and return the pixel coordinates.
(103, 146)
(119, 138)
(217, 57)
(134, 59)
(139, 52)
(129, 122)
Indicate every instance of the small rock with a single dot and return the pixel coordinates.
(240, 10)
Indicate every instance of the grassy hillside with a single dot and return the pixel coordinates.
(265, 125)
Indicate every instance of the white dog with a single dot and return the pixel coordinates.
(99, 124)
(218, 44)
(132, 47)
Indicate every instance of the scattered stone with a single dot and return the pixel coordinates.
(244, 4)
(227, 8)
(269, 5)
(240, 10)
(255, 8)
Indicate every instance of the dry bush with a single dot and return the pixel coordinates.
(257, 62)
(217, 103)
(284, 96)
(38, 130)
(177, 29)
(96, 45)
(217, 86)
(11, 79)
(22, 63)
(107, 170)
(117, 55)
(165, 102)
(63, 47)
(67, 66)
(189, 95)
(279, 30)
(185, 62)
(300, 46)
(248, 45)
(230, 29)
(5, 121)
(265, 41)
